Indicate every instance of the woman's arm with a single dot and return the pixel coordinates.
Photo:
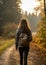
(17, 38)
(30, 36)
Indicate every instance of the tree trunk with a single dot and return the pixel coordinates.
(45, 7)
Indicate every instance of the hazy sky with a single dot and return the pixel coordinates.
(29, 5)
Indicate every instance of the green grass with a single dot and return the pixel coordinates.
(4, 44)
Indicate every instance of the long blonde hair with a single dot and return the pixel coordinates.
(25, 23)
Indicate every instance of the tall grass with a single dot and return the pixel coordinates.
(4, 44)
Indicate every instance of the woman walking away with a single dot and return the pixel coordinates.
(23, 38)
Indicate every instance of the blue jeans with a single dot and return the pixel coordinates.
(23, 55)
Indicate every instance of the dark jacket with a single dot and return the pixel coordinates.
(18, 32)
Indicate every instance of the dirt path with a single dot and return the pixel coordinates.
(5, 56)
(11, 56)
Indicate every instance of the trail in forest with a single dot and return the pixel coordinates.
(36, 56)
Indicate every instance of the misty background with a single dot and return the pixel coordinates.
(10, 15)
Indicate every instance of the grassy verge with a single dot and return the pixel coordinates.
(4, 44)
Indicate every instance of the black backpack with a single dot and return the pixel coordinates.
(23, 39)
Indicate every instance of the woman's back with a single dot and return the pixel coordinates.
(23, 28)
